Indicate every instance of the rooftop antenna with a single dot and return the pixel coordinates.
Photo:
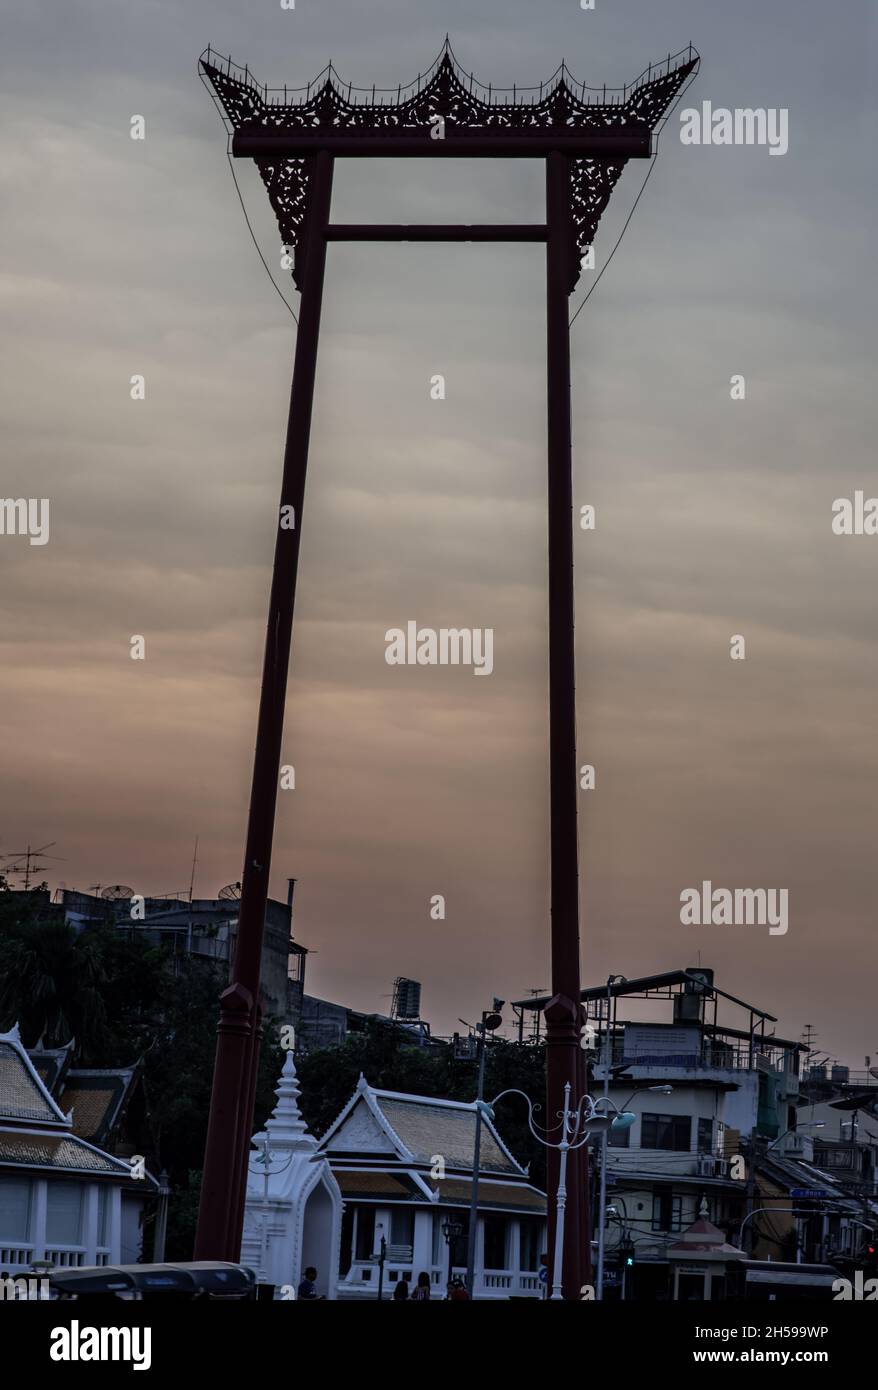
(30, 868)
(194, 862)
(535, 1021)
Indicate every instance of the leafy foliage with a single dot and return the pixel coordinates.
(124, 1001)
(328, 1078)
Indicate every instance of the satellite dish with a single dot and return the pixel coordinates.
(231, 893)
(117, 892)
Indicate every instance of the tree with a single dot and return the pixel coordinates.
(328, 1078)
(122, 1001)
(51, 982)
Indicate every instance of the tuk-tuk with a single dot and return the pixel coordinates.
(205, 1279)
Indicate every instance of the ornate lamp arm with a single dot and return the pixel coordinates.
(531, 1107)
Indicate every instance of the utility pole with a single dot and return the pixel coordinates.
(491, 1020)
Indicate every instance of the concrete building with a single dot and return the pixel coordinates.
(723, 1154)
(205, 928)
(699, 1088)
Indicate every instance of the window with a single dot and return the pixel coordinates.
(104, 1195)
(532, 1244)
(64, 1214)
(438, 1240)
(495, 1242)
(402, 1227)
(15, 1200)
(666, 1132)
(705, 1135)
(667, 1211)
(347, 1241)
(365, 1243)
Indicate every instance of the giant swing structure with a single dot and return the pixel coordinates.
(585, 136)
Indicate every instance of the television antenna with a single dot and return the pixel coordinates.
(29, 868)
(231, 893)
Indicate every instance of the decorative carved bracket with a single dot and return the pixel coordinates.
(448, 96)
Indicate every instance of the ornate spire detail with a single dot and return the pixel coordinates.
(286, 1130)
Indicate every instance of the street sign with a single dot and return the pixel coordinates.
(809, 1192)
(543, 1275)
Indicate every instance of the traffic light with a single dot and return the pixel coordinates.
(627, 1255)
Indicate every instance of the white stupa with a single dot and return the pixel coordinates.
(292, 1214)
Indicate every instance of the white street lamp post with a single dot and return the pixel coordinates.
(576, 1128)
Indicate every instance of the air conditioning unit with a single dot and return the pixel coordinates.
(705, 1165)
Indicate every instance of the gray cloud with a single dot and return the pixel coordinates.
(713, 516)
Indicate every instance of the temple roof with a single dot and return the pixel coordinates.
(21, 1149)
(704, 1241)
(23, 1097)
(51, 1063)
(503, 1196)
(410, 1129)
(34, 1131)
(96, 1098)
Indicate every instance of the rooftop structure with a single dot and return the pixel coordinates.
(203, 928)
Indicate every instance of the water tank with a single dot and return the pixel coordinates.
(406, 998)
(840, 1075)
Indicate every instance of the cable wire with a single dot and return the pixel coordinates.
(618, 241)
(277, 287)
(652, 165)
(229, 133)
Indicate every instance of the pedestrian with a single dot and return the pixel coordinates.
(457, 1290)
(308, 1289)
(401, 1292)
(421, 1291)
